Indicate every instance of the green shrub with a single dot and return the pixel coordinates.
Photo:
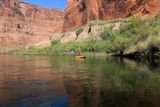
(55, 41)
(79, 31)
(108, 33)
(135, 21)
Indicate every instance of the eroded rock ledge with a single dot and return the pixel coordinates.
(151, 52)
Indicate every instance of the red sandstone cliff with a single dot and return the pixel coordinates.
(79, 12)
(22, 24)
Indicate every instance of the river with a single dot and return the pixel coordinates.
(61, 81)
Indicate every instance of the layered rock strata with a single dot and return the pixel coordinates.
(79, 12)
(23, 24)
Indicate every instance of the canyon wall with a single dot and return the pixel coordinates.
(23, 24)
(79, 12)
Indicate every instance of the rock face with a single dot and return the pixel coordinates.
(23, 24)
(79, 12)
(10, 3)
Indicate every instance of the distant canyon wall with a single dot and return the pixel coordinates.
(79, 12)
(22, 24)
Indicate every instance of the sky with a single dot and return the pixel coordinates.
(48, 3)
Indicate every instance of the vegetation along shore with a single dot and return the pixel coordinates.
(132, 38)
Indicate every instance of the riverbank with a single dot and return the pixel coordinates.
(132, 37)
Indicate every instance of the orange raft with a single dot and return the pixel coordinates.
(80, 57)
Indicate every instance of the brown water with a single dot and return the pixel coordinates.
(61, 81)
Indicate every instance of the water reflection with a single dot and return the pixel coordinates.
(27, 81)
(80, 95)
(61, 81)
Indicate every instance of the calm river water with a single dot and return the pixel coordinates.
(61, 81)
